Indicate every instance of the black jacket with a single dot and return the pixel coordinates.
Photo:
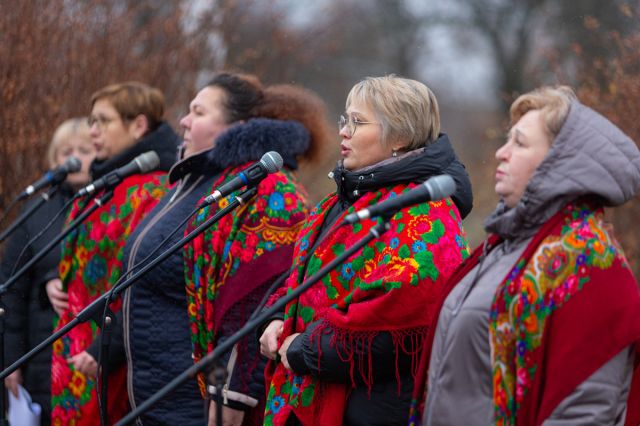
(157, 337)
(388, 402)
(29, 313)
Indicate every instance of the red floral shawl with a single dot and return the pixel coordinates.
(389, 286)
(239, 254)
(91, 263)
(568, 306)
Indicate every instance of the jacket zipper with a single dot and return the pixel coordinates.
(175, 200)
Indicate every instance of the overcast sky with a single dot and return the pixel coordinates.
(466, 74)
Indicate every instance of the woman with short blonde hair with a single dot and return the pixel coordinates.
(31, 316)
(342, 352)
(406, 109)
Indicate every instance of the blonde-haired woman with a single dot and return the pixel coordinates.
(540, 325)
(346, 345)
(30, 315)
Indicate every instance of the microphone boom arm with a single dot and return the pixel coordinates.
(27, 214)
(96, 308)
(205, 363)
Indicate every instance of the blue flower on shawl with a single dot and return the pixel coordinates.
(276, 201)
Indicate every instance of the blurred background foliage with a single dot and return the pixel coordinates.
(476, 55)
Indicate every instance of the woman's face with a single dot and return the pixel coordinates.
(109, 132)
(363, 147)
(205, 120)
(526, 147)
(78, 146)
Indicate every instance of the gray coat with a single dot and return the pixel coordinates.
(590, 156)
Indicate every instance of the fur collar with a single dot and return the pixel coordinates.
(247, 142)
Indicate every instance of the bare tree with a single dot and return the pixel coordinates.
(618, 101)
(57, 52)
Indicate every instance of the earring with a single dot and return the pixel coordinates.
(394, 153)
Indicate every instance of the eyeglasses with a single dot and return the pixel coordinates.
(351, 123)
(101, 121)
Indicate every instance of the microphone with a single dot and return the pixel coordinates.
(143, 163)
(435, 188)
(53, 177)
(270, 162)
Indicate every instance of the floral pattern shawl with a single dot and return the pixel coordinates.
(569, 304)
(388, 286)
(239, 254)
(91, 263)
(576, 277)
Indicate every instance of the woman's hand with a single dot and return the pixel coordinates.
(230, 417)
(84, 363)
(283, 350)
(59, 299)
(12, 381)
(269, 339)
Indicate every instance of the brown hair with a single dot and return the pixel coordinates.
(246, 97)
(289, 102)
(132, 99)
(552, 102)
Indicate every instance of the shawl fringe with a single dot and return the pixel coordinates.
(409, 342)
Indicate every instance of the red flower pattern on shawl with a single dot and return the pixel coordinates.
(397, 277)
(91, 263)
(239, 254)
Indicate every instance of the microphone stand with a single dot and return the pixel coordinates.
(28, 213)
(250, 326)
(15, 277)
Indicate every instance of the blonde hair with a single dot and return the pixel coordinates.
(552, 102)
(132, 99)
(66, 130)
(406, 109)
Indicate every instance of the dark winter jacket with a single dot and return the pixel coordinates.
(387, 402)
(29, 313)
(157, 336)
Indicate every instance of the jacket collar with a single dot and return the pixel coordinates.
(162, 140)
(247, 142)
(412, 167)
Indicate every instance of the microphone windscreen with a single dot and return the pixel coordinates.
(72, 165)
(272, 161)
(148, 161)
(440, 187)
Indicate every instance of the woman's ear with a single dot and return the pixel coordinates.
(139, 126)
(399, 146)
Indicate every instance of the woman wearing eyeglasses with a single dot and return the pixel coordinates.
(344, 351)
(126, 120)
(201, 295)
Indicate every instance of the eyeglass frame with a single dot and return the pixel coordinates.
(102, 121)
(351, 122)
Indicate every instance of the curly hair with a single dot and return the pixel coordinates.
(246, 98)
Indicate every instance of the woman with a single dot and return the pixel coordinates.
(126, 120)
(539, 327)
(200, 296)
(347, 345)
(30, 315)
